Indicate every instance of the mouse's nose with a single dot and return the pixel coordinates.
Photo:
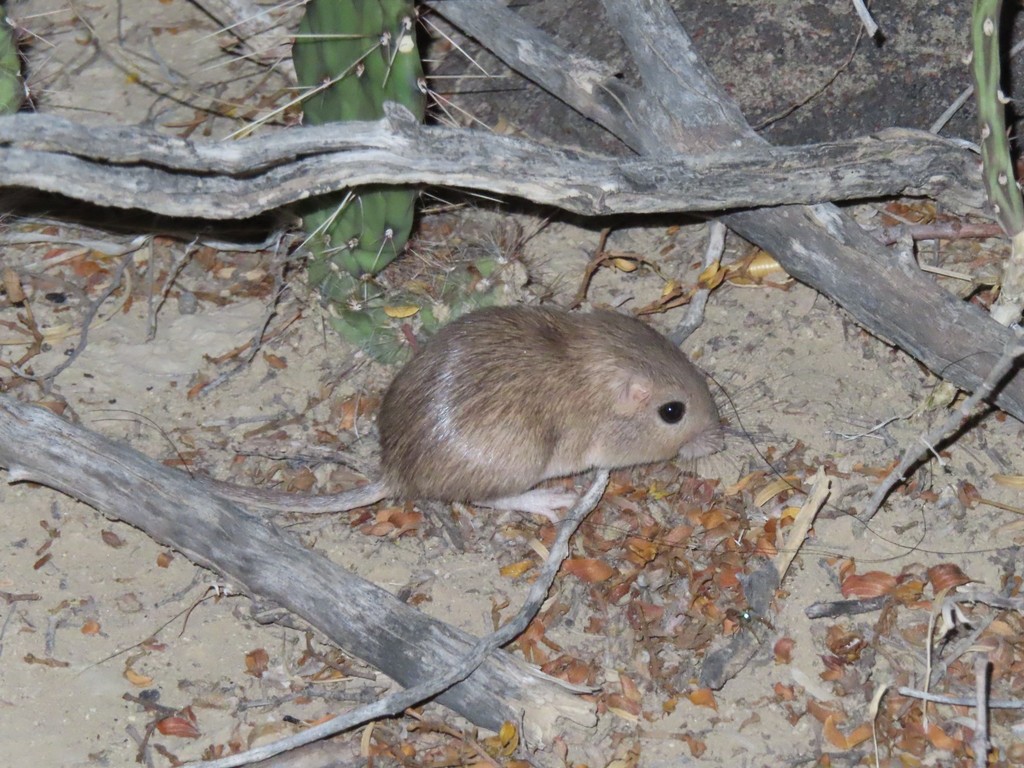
(710, 440)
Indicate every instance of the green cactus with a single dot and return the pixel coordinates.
(12, 87)
(999, 176)
(355, 55)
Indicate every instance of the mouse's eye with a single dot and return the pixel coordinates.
(672, 413)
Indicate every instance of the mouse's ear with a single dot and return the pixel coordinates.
(632, 393)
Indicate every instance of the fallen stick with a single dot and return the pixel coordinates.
(131, 167)
(260, 560)
(395, 703)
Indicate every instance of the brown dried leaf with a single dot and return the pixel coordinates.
(12, 285)
(711, 277)
(968, 495)
(908, 592)
(178, 726)
(939, 739)
(629, 688)
(784, 650)
(697, 747)
(256, 662)
(712, 518)
(832, 733)
(785, 692)
(354, 407)
(623, 707)
(275, 362)
(91, 627)
(743, 483)
(844, 644)
(515, 570)
(703, 697)
(774, 488)
(641, 551)
(164, 559)
(111, 539)
(821, 712)
(946, 576)
(588, 569)
(870, 584)
(137, 679)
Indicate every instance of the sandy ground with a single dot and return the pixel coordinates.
(100, 626)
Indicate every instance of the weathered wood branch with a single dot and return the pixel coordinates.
(123, 167)
(261, 560)
(682, 107)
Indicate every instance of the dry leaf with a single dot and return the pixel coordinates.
(178, 726)
(832, 734)
(352, 407)
(697, 747)
(845, 645)
(629, 688)
(164, 559)
(703, 697)
(12, 285)
(91, 627)
(275, 362)
(622, 707)
(111, 539)
(821, 712)
(588, 569)
(624, 265)
(939, 739)
(136, 679)
(711, 277)
(774, 488)
(837, 738)
(870, 584)
(784, 650)
(256, 662)
(515, 570)
(946, 576)
(504, 743)
(784, 692)
(1015, 482)
(642, 551)
(743, 483)
(712, 519)
(968, 494)
(401, 312)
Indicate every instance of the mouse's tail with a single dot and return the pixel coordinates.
(281, 501)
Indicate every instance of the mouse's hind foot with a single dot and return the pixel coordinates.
(539, 501)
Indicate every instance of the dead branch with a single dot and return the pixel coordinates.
(128, 167)
(395, 703)
(259, 559)
(683, 108)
